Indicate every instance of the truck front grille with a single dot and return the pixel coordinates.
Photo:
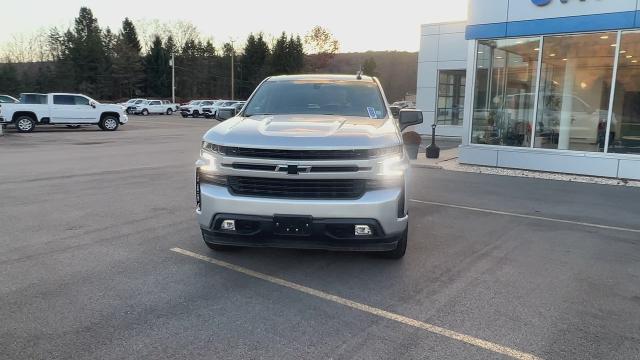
(356, 154)
(297, 188)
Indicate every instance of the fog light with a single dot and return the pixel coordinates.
(229, 225)
(363, 230)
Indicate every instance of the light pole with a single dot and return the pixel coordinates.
(173, 78)
(233, 90)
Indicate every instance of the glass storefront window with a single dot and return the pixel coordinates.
(575, 88)
(451, 85)
(624, 135)
(505, 85)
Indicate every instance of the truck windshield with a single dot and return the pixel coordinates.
(321, 97)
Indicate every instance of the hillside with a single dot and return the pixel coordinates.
(397, 70)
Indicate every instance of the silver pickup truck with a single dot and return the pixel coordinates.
(311, 161)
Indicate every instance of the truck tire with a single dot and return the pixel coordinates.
(401, 248)
(25, 124)
(109, 123)
(145, 112)
(196, 114)
(169, 111)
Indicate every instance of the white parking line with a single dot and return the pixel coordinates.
(527, 216)
(487, 345)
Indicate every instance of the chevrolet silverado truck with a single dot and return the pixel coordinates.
(211, 111)
(194, 108)
(154, 107)
(311, 161)
(72, 110)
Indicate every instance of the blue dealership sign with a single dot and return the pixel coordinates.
(541, 2)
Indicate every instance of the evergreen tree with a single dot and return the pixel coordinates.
(9, 82)
(254, 63)
(87, 53)
(279, 56)
(295, 51)
(157, 70)
(130, 35)
(128, 74)
(170, 46)
(369, 67)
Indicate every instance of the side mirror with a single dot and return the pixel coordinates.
(92, 104)
(409, 117)
(395, 111)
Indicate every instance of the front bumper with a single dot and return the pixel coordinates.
(124, 119)
(377, 208)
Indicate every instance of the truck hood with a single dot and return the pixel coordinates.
(305, 131)
(110, 107)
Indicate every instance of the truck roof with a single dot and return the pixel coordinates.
(327, 77)
(57, 93)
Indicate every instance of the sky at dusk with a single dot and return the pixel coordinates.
(358, 25)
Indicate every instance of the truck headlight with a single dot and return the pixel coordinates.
(393, 167)
(207, 162)
(207, 169)
(212, 148)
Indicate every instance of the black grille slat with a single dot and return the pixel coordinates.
(357, 154)
(298, 188)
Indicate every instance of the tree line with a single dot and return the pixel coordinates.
(111, 65)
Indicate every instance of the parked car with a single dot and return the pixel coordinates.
(61, 109)
(228, 112)
(154, 107)
(131, 105)
(130, 102)
(6, 99)
(311, 161)
(404, 104)
(194, 108)
(211, 110)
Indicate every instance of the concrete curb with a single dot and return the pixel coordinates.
(425, 166)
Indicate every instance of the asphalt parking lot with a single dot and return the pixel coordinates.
(101, 257)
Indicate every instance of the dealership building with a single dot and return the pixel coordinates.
(551, 85)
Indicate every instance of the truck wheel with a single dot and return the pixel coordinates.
(145, 112)
(169, 111)
(401, 248)
(25, 124)
(196, 114)
(109, 123)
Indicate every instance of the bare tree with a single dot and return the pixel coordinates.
(320, 42)
(181, 31)
(26, 47)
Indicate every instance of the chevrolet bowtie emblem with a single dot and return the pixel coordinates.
(293, 169)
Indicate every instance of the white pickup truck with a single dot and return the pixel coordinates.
(154, 107)
(61, 109)
(194, 108)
